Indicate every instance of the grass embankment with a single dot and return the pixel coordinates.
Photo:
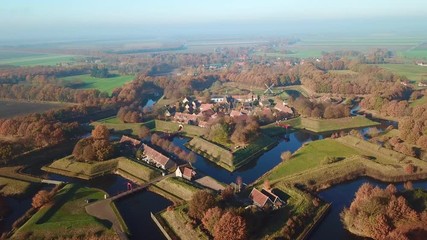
(329, 125)
(102, 84)
(69, 167)
(358, 158)
(418, 102)
(177, 187)
(13, 187)
(66, 217)
(228, 159)
(170, 127)
(411, 71)
(178, 221)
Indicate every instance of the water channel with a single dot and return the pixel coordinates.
(136, 208)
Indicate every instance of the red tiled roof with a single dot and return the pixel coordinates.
(133, 141)
(258, 197)
(185, 117)
(284, 108)
(155, 155)
(188, 172)
(206, 106)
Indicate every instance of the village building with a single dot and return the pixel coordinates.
(265, 199)
(218, 99)
(185, 118)
(203, 124)
(185, 172)
(206, 107)
(152, 156)
(244, 98)
(265, 103)
(282, 107)
(235, 113)
(422, 84)
(128, 140)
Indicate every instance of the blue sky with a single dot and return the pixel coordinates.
(31, 18)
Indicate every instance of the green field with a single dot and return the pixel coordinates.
(414, 53)
(66, 217)
(311, 156)
(102, 84)
(418, 102)
(33, 59)
(411, 71)
(328, 125)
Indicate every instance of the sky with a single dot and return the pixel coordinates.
(26, 19)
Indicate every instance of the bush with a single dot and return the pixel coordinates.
(331, 159)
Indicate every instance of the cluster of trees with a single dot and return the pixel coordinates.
(8, 149)
(127, 115)
(99, 72)
(54, 93)
(386, 213)
(308, 108)
(368, 79)
(170, 147)
(236, 130)
(94, 148)
(42, 198)
(38, 129)
(39, 74)
(221, 224)
(413, 128)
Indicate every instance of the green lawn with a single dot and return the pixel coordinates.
(411, 71)
(311, 156)
(414, 53)
(34, 59)
(67, 216)
(328, 125)
(116, 125)
(102, 84)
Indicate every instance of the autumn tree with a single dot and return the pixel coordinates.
(227, 193)
(211, 218)
(101, 132)
(6, 152)
(41, 198)
(230, 226)
(200, 203)
(144, 132)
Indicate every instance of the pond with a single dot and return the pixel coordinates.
(341, 196)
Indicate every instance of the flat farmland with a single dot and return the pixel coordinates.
(411, 71)
(14, 108)
(102, 84)
(33, 59)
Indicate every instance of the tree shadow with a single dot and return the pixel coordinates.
(58, 204)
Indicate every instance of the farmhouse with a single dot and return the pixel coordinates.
(155, 157)
(265, 199)
(185, 172)
(282, 107)
(244, 98)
